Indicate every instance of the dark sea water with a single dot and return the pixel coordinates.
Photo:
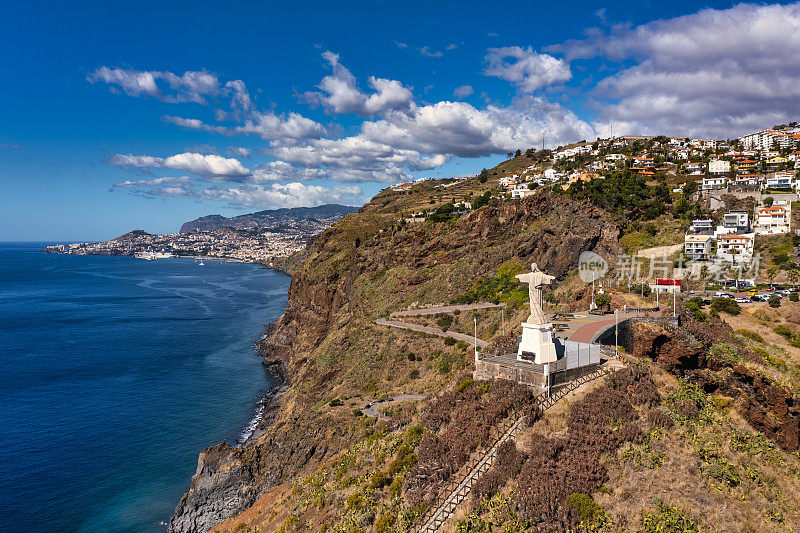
(115, 373)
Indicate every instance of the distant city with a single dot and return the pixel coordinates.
(268, 237)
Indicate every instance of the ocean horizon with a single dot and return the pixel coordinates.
(116, 373)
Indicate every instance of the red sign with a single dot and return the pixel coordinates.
(668, 281)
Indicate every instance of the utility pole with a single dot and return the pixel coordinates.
(503, 313)
(616, 332)
(476, 338)
(516, 384)
(674, 298)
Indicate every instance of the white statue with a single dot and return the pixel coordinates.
(535, 280)
(537, 333)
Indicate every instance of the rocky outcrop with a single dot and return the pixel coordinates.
(687, 351)
(221, 487)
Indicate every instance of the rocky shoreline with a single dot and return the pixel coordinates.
(224, 482)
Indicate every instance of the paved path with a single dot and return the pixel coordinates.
(371, 408)
(446, 309)
(431, 330)
(583, 327)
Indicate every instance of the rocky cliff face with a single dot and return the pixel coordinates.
(363, 267)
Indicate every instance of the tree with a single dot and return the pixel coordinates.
(483, 176)
(771, 273)
(518, 153)
(768, 201)
(794, 275)
(774, 301)
(602, 300)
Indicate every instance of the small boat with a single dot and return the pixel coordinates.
(200, 263)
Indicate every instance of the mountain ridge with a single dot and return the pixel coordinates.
(267, 218)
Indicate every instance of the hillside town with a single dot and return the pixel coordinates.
(761, 170)
(249, 246)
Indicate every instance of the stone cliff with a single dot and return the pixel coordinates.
(364, 267)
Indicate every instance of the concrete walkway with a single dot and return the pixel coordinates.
(583, 327)
(446, 309)
(431, 330)
(371, 409)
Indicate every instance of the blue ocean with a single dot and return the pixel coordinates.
(116, 372)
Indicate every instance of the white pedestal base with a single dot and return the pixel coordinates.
(537, 339)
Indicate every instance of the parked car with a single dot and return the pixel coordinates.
(760, 298)
(742, 300)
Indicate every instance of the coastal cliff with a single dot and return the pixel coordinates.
(326, 344)
(320, 461)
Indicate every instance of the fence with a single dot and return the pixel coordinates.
(451, 495)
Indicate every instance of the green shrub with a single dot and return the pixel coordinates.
(783, 331)
(752, 335)
(462, 386)
(449, 341)
(444, 322)
(794, 297)
(667, 519)
(414, 435)
(726, 305)
(774, 301)
(357, 412)
(336, 402)
(583, 505)
(354, 500)
(384, 524)
(379, 480)
(414, 373)
(403, 461)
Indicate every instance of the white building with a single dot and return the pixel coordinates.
(780, 180)
(698, 247)
(702, 225)
(714, 182)
(521, 191)
(735, 248)
(719, 166)
(774, 219)
(766, 139)
(736, 221)
(551, 175)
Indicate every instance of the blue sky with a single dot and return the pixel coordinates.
(145, 116)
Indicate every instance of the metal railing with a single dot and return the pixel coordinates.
(452, 494)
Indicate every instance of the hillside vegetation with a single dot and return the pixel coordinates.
(320, 464)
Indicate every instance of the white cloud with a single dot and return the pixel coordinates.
(240, 151)
(356, 158)
(428, 52)
(209, 166)
(463, 91)
(460, 129)
(527, 69)
(280, 195)
(276, 195)
(155, 182)
(341, 95)
(715, 73)
(276, 171)
(191, 86)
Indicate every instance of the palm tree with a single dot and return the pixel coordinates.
(794, 275)
(771, 273)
